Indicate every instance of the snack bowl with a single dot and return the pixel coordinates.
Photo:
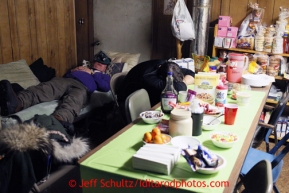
(221, 164)
(243, 98)
(207, 119)
(167, 138)
(152, 117)
(224, 139)
(184, 142)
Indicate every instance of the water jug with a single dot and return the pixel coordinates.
(236, 64)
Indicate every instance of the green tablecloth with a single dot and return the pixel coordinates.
(111, 166)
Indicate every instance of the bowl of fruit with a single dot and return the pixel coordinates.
(156, 137)
(224, 139)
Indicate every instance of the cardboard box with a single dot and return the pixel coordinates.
(232, 32)
(224, 21)
(222, 31)
(185, 63)
(218, 41)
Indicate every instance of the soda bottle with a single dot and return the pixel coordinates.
(169, 95)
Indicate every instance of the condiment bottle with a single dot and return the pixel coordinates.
(180, 123)
(169, 95)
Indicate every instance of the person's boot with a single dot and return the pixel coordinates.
(9, 101)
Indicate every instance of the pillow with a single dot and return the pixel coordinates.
(114, 68)
(41, 71)
(18, 72)
(130, 59)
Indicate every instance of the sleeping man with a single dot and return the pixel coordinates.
(72, 89)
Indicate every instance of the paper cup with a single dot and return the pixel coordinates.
(182, 96)
(230, 112)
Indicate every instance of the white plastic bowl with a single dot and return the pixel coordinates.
(152, 117)
(224, 139)
(213, 125)
(185, 142)
(221, 163)
(243, 98)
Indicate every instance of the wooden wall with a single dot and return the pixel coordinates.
(239, 9)
(164, 43)
(30, 29)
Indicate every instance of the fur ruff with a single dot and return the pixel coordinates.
(67, 153)
(24, 137)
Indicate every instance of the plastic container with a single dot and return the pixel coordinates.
(285, 43)
(259, 42)
(169, 95)
(221, 95)
(268, 43)
(277, 46)
(180, 123)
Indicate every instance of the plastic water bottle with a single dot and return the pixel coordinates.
(169, 95)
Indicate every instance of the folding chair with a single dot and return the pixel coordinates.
(136, 103)
(259, 178)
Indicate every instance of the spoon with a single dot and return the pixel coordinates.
(214, 119)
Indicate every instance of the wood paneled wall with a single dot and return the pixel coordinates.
(164, 43)
(239, 9)
(30, 29)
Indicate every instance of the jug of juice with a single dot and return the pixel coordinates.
(237, 63)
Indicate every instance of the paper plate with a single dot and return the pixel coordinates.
(257, 80)
(184, 142)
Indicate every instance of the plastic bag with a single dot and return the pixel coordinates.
(252, 21)
(182, 24)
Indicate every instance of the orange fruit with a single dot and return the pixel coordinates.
(147, 137)
(158, 139)
(156, 131)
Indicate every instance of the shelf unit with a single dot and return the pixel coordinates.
(215, 49)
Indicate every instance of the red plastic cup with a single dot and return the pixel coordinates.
(230, 111)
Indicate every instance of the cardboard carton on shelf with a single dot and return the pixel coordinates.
(224, 21)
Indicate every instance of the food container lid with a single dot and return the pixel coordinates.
(222, 87)
(180, 114)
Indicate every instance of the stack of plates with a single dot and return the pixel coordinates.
(257, 80)
(156, 158)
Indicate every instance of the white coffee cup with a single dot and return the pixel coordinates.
(182, 97)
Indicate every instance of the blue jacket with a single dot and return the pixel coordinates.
(97, 81)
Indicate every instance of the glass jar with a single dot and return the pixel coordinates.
(180, 123)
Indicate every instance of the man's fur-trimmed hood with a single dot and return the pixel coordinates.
(24, 137)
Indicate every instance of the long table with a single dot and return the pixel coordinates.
(108, 167)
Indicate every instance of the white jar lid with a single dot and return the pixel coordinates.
(180, 114)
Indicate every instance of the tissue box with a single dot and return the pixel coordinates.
(222, 31)
(224, 21)
(232, 32)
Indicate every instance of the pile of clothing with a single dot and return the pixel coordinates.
(29, 150)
